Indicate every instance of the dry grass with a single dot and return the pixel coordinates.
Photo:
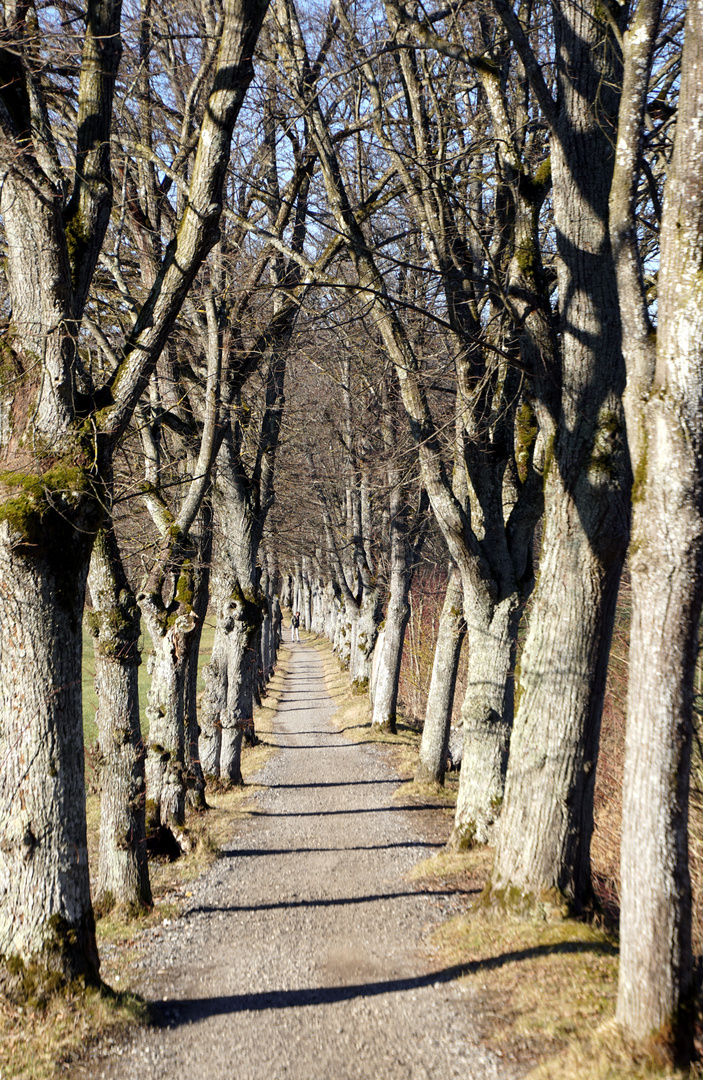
(538, 981)
(38, 1044)
(543, 988)
(604, 1055)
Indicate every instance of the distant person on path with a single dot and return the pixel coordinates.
(295, 627)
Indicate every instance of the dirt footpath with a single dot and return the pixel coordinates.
(303, 952)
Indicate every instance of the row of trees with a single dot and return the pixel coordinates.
(449, 235)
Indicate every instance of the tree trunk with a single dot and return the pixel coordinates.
(267, 649)
(230, 678)
(306, 608)
(277, 626)
(201, 537)
(364, 634)
(286, 592)
(656, 991)
(390, 643)
(547, 821)
(240, 619)
(344, 633)
(46, 915)
(123, 872)
(213, 704)
(487, 718)
(165, 763)
(547, 818)
(385, 700)
(440, 700)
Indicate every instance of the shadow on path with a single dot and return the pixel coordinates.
(330, 783)
(174, 1012)
(323, 901)
(404, 807)
(243, 853)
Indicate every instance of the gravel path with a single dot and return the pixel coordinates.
(300, 954)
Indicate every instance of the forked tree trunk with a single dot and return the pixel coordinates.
(54, 470)
(434, 744)
(123, 873)
(547, 818)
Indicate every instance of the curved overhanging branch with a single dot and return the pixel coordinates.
(199, 227)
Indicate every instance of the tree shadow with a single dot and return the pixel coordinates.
(236, 853)
(321, 902)
(357, 810)
(174, 1012)
(309, 703)
(329, 783)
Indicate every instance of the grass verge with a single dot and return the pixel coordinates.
(37, 1043)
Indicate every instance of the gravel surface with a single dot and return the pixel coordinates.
(303, 953)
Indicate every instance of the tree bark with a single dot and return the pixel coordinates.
(201, 537)
(390, 644)
(165, 763)
(434, 744)
(45, 910)
(230, 678)
(123, 873)
(656, 988)
(487, 719)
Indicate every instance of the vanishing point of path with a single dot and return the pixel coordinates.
(300, 955)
